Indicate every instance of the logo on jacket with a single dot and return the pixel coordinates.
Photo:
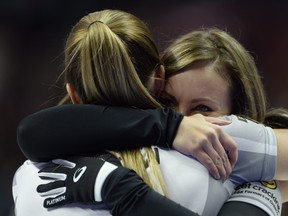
(78, 173)
(270, 184)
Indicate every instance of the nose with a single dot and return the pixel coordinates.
(181, 108)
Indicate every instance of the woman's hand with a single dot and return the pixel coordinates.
(78, 179)
(202, 138)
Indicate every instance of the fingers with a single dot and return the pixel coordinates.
(215, 167)
(213, 154)
(64, 163)
(226, 152)
(51, 175)
(208, 143)
(206, 161)
(219, 160)
(217, 121)
(227, 165)
(54, 172)
(52, 188)
(230, 147)
(226, 147)
(232, 156)
(226, 141)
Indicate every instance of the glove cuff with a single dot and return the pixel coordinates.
(105, 170)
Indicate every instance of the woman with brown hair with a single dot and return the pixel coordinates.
(86, 86)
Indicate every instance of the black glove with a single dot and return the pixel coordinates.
(78, 179)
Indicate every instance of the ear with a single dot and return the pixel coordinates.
(159, 83)
(73, 94)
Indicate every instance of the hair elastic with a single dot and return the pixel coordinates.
(95, 22)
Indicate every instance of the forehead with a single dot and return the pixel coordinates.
(198, 81)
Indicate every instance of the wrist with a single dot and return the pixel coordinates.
(173, 126)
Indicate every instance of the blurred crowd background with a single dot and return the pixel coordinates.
(32, 35)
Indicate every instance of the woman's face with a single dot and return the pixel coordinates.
(198, 89)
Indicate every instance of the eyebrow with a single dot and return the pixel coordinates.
(201, 100)
(167, 95)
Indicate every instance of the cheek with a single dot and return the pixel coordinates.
(214, 114)
(228, 102)
(226, 106)
(225, 99)
(222, 105)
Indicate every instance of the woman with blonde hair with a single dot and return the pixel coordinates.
(110, 59)
(86, 85)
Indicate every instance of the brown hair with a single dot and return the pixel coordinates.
(225, 54)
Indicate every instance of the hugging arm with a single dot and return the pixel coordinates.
(257, 147)
(264, 143)
(70, 130)
(259, 135)
(62, 130)
(104, 180)
(125, 193)
(137, 199)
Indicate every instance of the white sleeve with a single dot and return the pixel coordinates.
(265, 195)
(257, 150)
